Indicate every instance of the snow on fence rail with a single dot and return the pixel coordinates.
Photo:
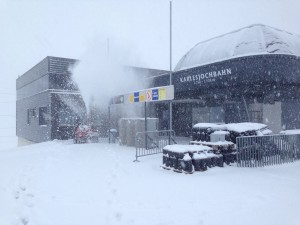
(259, 151)
(152, 142)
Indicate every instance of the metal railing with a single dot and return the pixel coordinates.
(259, 151)
(152, 142)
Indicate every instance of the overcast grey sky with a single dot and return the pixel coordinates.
(34, 29)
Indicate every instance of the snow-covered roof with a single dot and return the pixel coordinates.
(255, 39)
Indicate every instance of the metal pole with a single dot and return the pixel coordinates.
(170, 42)
(109, 124)
(145, 125)
(109, 102)
(170, 104)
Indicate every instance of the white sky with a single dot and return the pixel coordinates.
(33, 29)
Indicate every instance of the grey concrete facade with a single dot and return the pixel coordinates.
(42, 94)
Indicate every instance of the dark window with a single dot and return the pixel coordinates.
(28, 116)
(43, 114)
(34, 112)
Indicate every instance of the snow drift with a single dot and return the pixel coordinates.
(65, 184)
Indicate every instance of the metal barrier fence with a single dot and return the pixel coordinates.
(259, 151)
(152, 142)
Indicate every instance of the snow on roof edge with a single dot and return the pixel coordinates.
(260, 31)
(230, 58)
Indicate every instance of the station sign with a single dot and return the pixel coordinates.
(164, 93)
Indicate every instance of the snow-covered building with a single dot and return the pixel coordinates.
(248, 75)
(251, 74)
(48, 101)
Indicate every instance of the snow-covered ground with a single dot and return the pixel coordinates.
(66, 184)
(8, 137)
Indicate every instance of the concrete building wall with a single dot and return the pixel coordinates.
(33, 74)
(27, 125)
(34, 103)
(291, 114)
(35, 87)
(272, 116)
(255, 111)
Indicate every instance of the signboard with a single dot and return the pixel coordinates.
(136, 96)
(164, 93)
(155, 95)
(149, 95)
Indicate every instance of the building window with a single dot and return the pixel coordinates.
(43, 114)
(34, 112)
(28, 116)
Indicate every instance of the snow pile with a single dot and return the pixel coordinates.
(235, 127)
(213, 133)
(243, 127)
(191, 158)
(186, 148)
(212, 126)
(7, 118)
(217, 143)
(199, 155)
(222, 132)
(65, 184)
(252, 40)
(290, 131)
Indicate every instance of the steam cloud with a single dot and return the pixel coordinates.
(102, 73)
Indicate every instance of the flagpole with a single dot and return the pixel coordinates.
(170, 104)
